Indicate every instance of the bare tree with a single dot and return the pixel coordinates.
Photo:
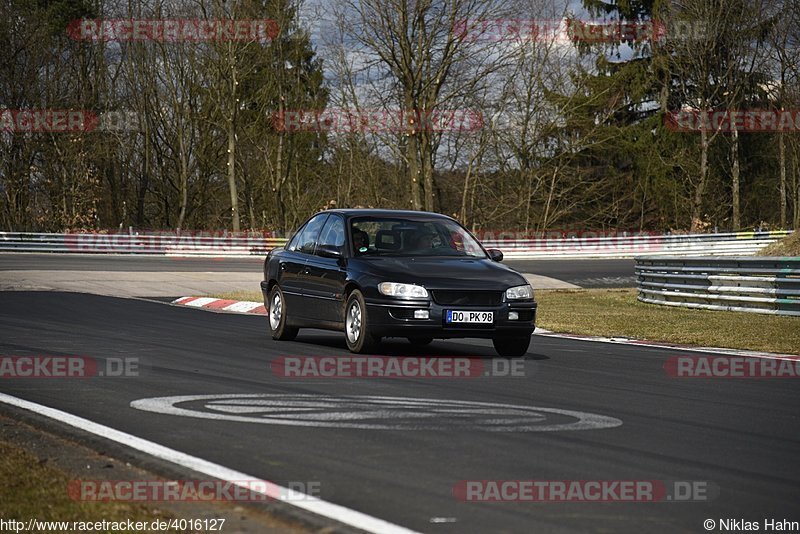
(717, 71)
(784, 49)
(432, 57)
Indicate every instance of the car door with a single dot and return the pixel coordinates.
(292, 266)
(325, 276)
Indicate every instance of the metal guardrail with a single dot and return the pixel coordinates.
(768, 285)
(188, 244)
(225, 244)
(728, 244)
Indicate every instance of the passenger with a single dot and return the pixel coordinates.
(360, 241)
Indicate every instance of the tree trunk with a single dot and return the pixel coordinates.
(426, 160)
(474, 164)
(550, 194)
(529, 177)
(413, 171)
(782, 156)
(697, 201)
(232, 176)
(184, 179)
(465, 194)
(145, 178)
(796, 180)
(735, 180)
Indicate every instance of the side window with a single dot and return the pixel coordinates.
(292, 245)
(306, 239)
(333, 233)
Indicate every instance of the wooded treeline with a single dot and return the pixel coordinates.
(573, 134)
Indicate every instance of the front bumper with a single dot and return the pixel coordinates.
(394, 318)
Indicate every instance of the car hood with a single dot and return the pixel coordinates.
(442, 273)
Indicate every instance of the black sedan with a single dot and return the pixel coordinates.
(385, 273)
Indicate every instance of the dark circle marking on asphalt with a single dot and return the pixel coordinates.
(375, 412)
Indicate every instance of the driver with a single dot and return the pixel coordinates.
(360, 241)
(423, 240)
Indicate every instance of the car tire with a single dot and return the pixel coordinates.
(356, 325)
(511, 347)
(276, 316)
(420, 341)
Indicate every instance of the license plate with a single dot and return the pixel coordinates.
(456, 316)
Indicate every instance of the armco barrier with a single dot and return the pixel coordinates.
(187, 244)
(768, 285)
(257, 244)
(729, 244)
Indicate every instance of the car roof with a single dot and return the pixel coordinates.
(366, 212)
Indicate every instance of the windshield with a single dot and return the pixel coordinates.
(398, 236)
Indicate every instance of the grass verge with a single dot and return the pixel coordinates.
(33, 489)
(252, 296)
(36, 468)
(617, 313)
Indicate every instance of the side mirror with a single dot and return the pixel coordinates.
(329, 251)
(495, 255)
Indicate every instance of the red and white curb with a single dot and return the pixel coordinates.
(225, 305)
(257, 308)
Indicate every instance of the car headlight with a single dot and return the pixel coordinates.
(519, 292)
(403, 291)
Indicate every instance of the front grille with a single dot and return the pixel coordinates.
(467, 298)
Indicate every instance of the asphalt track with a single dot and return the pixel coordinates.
(584, 273)
(741, 436)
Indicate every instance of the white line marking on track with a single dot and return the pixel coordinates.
(375, 412)
(307, 503)
(665, 346)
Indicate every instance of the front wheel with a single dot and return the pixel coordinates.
(276, 312)
(356, 324)
(511, 347)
